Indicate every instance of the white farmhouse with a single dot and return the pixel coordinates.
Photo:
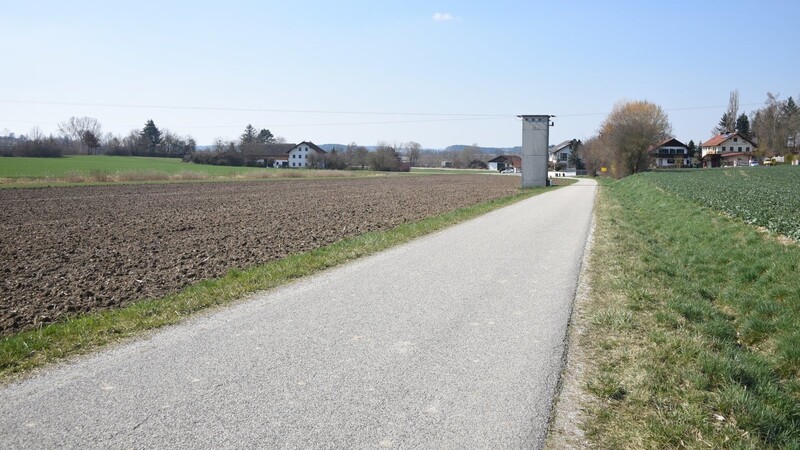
(727, 149)
(301, 154)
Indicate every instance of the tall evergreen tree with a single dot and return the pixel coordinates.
(791, 119)
(743, 125)
(790, 108)
(151, 136)
(249, 135)
(722, 126)
(692, 148)
(265, 137)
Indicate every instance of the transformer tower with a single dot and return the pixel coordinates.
(535, 143)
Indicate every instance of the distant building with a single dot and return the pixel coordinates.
(504, 162)
(300, 155)
(726, 149)
(670, 153)
(560, 153)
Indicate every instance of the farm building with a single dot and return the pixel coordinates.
(726, 149)
(301, 154)
(281, 155)
(670, 153)
(504, 162)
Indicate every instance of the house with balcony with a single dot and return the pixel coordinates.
(670, 153)
(727, 150)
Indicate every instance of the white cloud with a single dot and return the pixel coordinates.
(442, 17)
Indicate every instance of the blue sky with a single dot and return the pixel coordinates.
(459, 71)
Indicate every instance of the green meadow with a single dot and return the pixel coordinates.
(16, 172)
(69, 166)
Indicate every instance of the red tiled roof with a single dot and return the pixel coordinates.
(720, 138)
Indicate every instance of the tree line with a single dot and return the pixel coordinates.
(84, 136)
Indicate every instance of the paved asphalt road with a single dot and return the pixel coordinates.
(452, 341)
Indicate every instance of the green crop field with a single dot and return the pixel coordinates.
(763, 196)
(80, 170)
(69, 166)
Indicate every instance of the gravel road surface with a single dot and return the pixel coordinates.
(454, 340)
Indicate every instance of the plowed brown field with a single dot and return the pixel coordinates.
(70, 250)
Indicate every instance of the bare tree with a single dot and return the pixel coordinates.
(733, 111)
(769, 127)
(412, 151)
(75, 128)
(727, 123)
(36, 134)
(629, 131)
(466, 155)
(360, 156)
(384, 158)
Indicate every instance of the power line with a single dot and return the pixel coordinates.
(312, 111)
(452, 117)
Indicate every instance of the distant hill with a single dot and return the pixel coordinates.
(492, 150)
(341, 147)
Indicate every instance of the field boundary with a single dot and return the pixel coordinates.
(21, 352)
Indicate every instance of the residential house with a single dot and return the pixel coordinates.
(560, 153)
(670, 153)
(728, 149)
(302, 154)
(504, 162)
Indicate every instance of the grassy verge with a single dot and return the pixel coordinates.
(81, 334)
(692, 333)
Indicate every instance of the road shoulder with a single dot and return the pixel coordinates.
(565, 428)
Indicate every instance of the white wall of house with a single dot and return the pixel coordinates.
(299, 156)
(492, 165)
(666, 158)
(561, 155)
(733, 144)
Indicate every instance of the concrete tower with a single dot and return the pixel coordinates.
(535, 142)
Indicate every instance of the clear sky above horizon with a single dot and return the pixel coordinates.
(435, 72)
